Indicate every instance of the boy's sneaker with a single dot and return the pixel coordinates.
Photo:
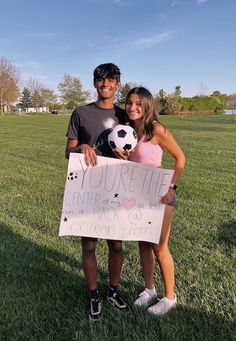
(116, 301)
(95, 309)
(145, 298)
(163, 306)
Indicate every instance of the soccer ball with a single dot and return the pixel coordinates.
(122, 137)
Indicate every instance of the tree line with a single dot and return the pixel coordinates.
(174, 103)
(34, 94)
(70, 93)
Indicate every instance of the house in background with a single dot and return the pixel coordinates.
(231, 103)
(5, 107)
(20, 109)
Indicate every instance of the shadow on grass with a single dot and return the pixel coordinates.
(181, 324)
(192, 324)
(43, 293)
(43, 296)
(227, 233)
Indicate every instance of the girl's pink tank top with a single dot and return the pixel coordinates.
(147, 153)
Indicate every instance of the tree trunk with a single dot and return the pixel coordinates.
(1, 105)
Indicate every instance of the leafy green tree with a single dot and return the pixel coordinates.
(26, 99)
(56, 106)
(214, 102)
(9, 83)
(35, 88)
(178, 91)
(49, 98)
(220, 100)
(122, 93)
(162, 97)
(157, 103)
(174, 103)
(170, 103)
(36, 96)
(72, 93)
(162, 101)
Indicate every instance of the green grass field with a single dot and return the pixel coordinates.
(43, 293)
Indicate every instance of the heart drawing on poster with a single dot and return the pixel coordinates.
(128, 203)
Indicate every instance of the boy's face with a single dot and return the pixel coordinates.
(106, 87)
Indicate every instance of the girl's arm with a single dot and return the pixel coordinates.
(165, 139)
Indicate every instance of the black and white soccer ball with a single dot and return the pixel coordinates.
(123, 138)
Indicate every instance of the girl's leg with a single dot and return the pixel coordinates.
(147, 262)
(164, 256)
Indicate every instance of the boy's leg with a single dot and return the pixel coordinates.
(115, 262)
(89, 261)
(90, 271)
(147, 261)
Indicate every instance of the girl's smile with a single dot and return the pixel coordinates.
(134, 108)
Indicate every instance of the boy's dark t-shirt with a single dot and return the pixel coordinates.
(90, 124)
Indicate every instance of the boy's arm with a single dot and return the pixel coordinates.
(73, 146)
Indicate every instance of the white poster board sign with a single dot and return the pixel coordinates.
(116, 199)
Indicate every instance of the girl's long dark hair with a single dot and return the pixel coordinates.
(150, 115)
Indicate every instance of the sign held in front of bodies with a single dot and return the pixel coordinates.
(116, 199)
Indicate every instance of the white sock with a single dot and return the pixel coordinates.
(151, 292)
(171, 300)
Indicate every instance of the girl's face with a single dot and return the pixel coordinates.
(134, 108)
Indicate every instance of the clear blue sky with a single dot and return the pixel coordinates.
(156, 43)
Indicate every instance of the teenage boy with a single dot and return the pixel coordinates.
(87, 133)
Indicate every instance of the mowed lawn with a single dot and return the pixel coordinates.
(43, 293)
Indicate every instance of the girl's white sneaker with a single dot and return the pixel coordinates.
(145, 298)
(163, 306)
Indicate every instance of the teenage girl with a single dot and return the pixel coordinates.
(153, 139)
